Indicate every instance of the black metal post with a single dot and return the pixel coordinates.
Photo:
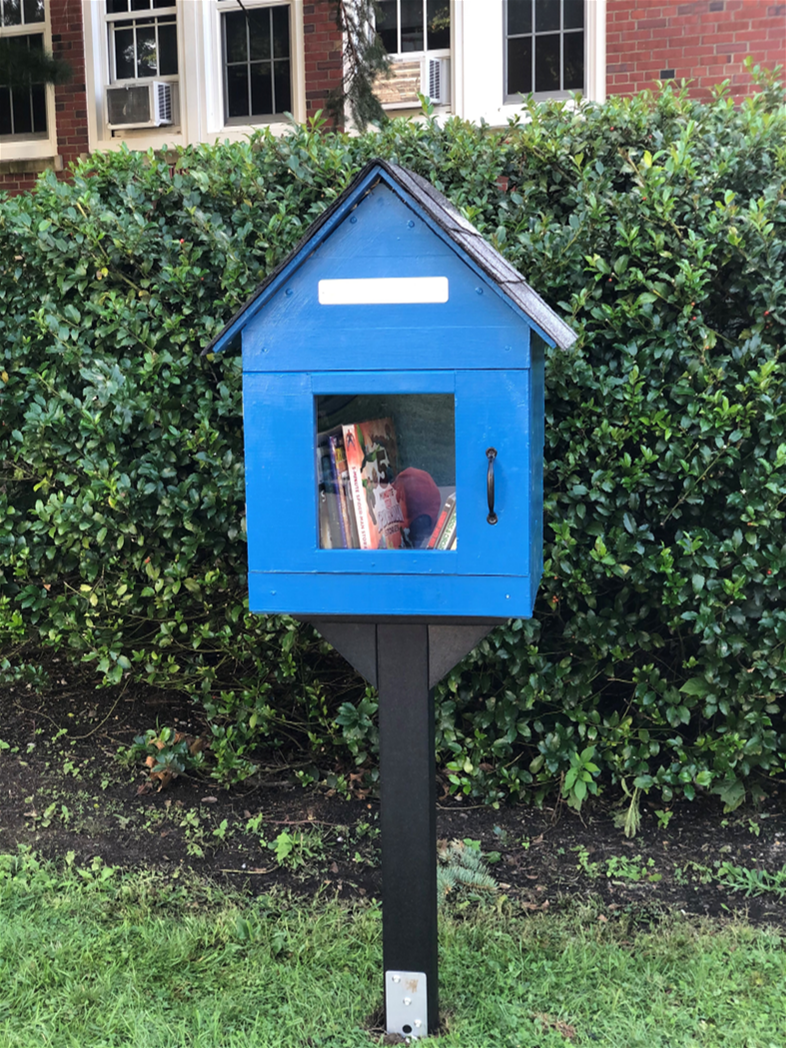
(408, 810)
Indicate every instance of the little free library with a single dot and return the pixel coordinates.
(393, 418)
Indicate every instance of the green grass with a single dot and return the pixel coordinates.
(94, 958)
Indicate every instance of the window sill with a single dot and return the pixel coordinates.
(23, 149)
(33, 166)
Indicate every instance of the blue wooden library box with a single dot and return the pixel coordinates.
(393, 415)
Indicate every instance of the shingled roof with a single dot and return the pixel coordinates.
(455, 227)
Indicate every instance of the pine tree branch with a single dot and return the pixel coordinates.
(365, 60)
(22, 66)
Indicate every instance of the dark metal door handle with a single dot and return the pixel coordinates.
(491, 454)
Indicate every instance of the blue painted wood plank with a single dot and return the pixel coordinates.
(492, 411)
(388, 382)
(453, 347)
(467, 595)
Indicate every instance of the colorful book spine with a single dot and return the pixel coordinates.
(449, 531)
(354, 460)
(339, 464)
(329, 506)
(450, 503)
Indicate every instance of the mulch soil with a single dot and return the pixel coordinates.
(63, 789)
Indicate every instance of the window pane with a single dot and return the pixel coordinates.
(573, 72)
(115, 7)
(125, 63)
(438, 17)
(547, 13)
(167, 49)
(547, 63)
(519, 17)
(140, 5)
(573, 16)
(5, 111)
(237, 91)
(412, 25)
(520, 65)
(22, 116)
(147, 54)
(282, 84)
(259, 29)
(387, 25)
(33, 11)
(261, 89)
(235, 37)
(12, 12)
(386, 471)
(38, 97)
(281, 32)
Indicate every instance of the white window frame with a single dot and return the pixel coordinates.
(423, 57)
(295, 63)
(511, 98)
(437, 52)
(34, 146)
(200, 77)
(479, 49)
(128, 18)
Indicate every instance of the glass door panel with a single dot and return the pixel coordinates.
(386, 471)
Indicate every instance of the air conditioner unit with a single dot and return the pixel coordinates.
(147, 104)
(438, 87)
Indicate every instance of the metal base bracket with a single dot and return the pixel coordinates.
(406, 1004)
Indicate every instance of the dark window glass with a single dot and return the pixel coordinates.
(34, 11)
(12, 12)
(282, 83)
(573, 14)
(547, 57)
(261, 89)
(237, 91)
(116, 7)
(38, 99)
(412, 38)
(167, 49)
(573, 68)
(519, 17)
(140, 5)
(147, 53)
(520, 65)
(547, 16)
(21, 111)
(438, 24)
(145, 49)
(235, 38)
(280, 32)
(6, 127)
(387, 25)
(259, 35)
(125, 59)
(257, 68)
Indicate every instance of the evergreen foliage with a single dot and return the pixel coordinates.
(656, 225)
(22, 66)
(365, 60)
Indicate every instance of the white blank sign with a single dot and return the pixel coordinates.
(383, 291)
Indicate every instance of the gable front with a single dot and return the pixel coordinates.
(384, 291)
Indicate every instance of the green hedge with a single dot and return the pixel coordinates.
(656, 225)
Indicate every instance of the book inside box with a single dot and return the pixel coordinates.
(386, 471)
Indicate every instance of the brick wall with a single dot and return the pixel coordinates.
(17, 176)
(323, 47)
(704, 40)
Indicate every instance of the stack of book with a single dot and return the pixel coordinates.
(360, 506)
